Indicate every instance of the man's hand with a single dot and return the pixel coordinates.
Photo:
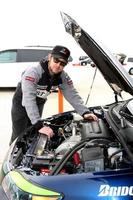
(90, 116)
(47, 131)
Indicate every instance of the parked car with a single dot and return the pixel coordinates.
(128, 62)
(84, 60)
(84, 160)
(14, 61)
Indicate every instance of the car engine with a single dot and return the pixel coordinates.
(77, 146)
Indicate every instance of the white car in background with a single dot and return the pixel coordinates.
(14, 61)
(128, 62)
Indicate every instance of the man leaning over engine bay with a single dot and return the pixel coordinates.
(35, 85)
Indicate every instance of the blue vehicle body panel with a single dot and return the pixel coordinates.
(88, 186)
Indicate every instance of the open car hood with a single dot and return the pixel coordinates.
(112, 70)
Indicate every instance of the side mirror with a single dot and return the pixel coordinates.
(130, 71)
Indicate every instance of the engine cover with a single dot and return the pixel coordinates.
(94, 129)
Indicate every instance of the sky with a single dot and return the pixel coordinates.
(38, 22)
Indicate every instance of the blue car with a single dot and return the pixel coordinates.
(84, 160)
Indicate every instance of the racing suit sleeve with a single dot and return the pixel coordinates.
(29, 82)
(71, 94)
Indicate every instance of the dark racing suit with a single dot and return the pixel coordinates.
(31, 95)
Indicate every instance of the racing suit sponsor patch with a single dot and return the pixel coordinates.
(29, 78)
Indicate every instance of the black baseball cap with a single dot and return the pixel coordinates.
(61, 52)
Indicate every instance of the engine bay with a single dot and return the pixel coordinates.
(78, 146)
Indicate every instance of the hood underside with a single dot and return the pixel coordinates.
(112, 70)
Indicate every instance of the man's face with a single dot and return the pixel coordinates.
(56, 65)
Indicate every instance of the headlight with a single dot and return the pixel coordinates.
(17, 187)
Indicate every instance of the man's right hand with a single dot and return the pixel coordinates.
(47, 131)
